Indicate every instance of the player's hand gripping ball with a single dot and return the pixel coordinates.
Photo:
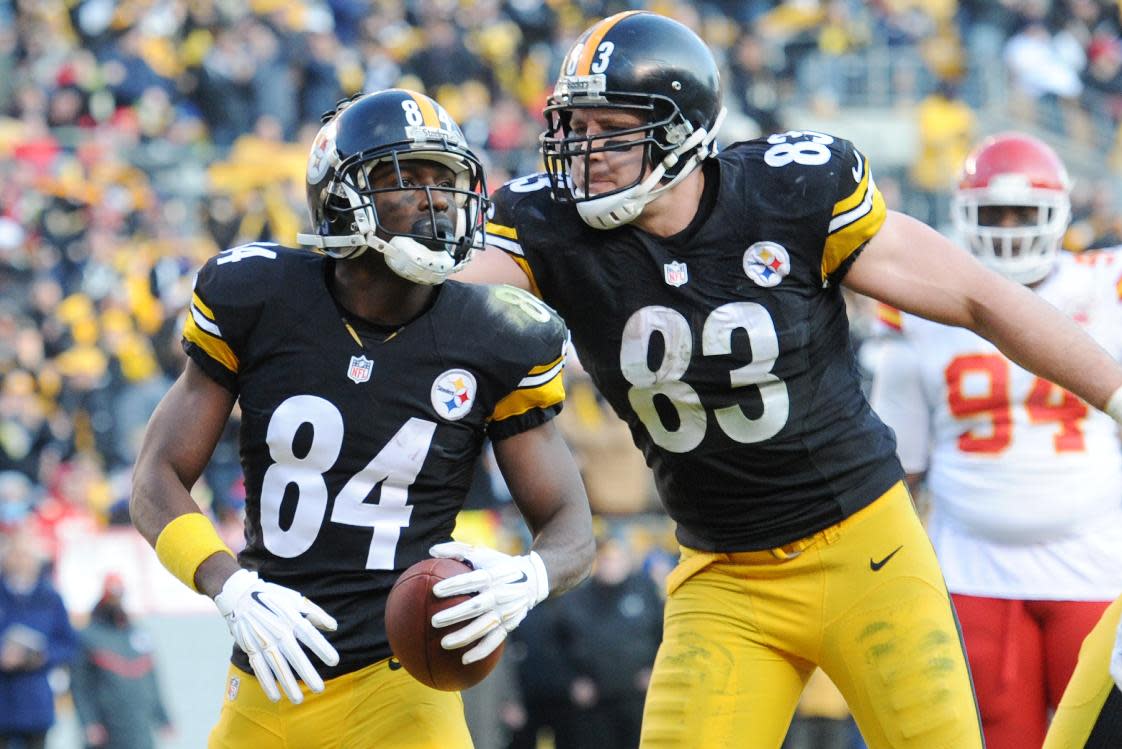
(413, 639)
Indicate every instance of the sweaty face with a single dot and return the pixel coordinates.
(415, 197)
(612, 162)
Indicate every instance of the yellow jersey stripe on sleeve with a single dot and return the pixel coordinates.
(196, 301)
(214, 346)
(502, 231)
(852, 229)
(509, 246)
(858, 195)
(544, 368)
(546, 394)
(525, 266)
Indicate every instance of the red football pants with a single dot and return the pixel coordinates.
(1021, 656)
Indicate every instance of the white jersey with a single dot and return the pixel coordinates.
(1026, 478)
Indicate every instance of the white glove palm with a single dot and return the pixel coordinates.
(1116, 658)
(267, 621)
(503, 589)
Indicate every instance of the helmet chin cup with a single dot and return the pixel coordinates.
(617, 209)
(414, 262)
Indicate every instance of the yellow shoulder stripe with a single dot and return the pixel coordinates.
(502, 231)
(525, 266)
(854, 199)
(844, 241)
(215, 348)
(545, 367)
(198, 302)
(524, 399)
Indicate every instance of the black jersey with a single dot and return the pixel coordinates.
(357, 457)
(726, 347)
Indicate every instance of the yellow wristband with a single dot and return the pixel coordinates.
(187, 542)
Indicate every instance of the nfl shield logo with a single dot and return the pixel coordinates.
(675, 273)
(360, 369)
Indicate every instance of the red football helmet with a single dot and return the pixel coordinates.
(1013, 170)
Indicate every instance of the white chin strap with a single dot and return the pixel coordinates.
(405, 256)
(625, 206)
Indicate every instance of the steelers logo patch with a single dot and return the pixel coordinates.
(767, 263)
(453, 394)
(320, 159)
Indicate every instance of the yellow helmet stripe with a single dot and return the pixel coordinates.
(584, 66)
(428, 111)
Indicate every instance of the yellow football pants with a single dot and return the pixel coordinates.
(863, 599)
(1090, 712)
(373, 708)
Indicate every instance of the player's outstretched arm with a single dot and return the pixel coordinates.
(911, 266)
(267, 621)
(546, 485)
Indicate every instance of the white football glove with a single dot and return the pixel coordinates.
(503, 589)
(1116, 658)
(266, 621)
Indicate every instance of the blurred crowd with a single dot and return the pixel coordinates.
(139, 137)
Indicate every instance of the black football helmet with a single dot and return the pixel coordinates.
(648, 64)
(392, 126)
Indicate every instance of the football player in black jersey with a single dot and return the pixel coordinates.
(367, 387)
(702, 291)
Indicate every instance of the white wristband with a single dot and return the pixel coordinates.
(1114, 406)
(543, 577)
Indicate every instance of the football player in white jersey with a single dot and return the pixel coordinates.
(1025, 478)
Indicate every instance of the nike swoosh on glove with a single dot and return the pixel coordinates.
(503, 589)
(269, 622)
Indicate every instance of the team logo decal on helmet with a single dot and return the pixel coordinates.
(647, 65)
(392, 127)
(320, 159)
(767, 263)
(453, 394)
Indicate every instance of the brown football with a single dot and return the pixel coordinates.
(413, 639)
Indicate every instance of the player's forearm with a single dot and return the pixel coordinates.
(567, 548)
(197, 557)
(1043, 340)
(158, 496)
